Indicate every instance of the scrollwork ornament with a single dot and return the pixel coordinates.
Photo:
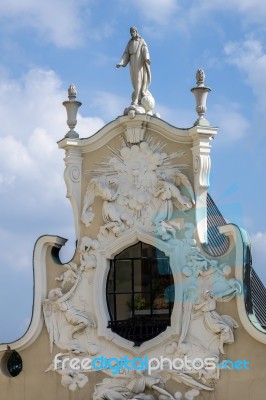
(74, 173)
(196, 165)
(202, 166)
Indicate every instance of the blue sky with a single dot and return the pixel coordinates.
(45, 46)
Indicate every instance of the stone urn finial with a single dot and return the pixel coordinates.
(200, 92)
(72, 106)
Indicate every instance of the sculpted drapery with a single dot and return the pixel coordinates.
(137, 55)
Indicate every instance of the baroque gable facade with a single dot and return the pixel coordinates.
(142, 283)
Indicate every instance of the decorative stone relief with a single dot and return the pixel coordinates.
(203, 168)
(68, 314)
(135, 385)
(203, 333)
(135, 132)
(70, 378)
(140, 189)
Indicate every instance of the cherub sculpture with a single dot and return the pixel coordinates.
(68, 276)
(114, 217)
(104, 187)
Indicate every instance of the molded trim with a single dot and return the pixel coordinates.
(43, 245)
(242, 240)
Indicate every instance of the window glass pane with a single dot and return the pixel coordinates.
(169, 292)
(142, 304)
(111, 304)
(130, 252)
(160, 301)
(157, 279)
(146, 273)
(147, 250)
(110, 280)
(123, 277)
(146, 267)
(137, 276)
(142, 275)
(140, 293)
(123, 306)
(160, 282)
(163, 266)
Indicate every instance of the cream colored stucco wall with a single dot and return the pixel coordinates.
(35, 384)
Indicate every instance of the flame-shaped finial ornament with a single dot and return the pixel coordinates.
(200, 77)
(72, 92)
(72, 106)
(200, 92)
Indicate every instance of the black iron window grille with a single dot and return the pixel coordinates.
(140, 293)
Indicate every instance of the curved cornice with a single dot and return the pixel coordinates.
(43, 246)
(241, 239)
(118, 126)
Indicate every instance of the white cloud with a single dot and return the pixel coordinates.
(158, 11)
(14, 156)
(232, 124)
(174, 14)
(109, 104)
(32, 118)
(87, 126)
(250, 57)
(31, 171)
(258, 241)
(32, 187)
(32, 101)
(179, 117)
(250, 10)
(59, 21)
(20, 258)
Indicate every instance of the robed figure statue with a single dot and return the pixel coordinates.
(137, 55)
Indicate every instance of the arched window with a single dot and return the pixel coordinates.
(140, 293)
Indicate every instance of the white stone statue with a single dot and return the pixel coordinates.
(132, 387)
(75, 320)
(71, 379)
(218, 324)
(137, 55)
(213, 274)
(169, 195)
(191, 394)
(69, 276)
(104, 187)
(202, 322)
(86, 249)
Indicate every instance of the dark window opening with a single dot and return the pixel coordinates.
(11, 363)
(140, 293)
